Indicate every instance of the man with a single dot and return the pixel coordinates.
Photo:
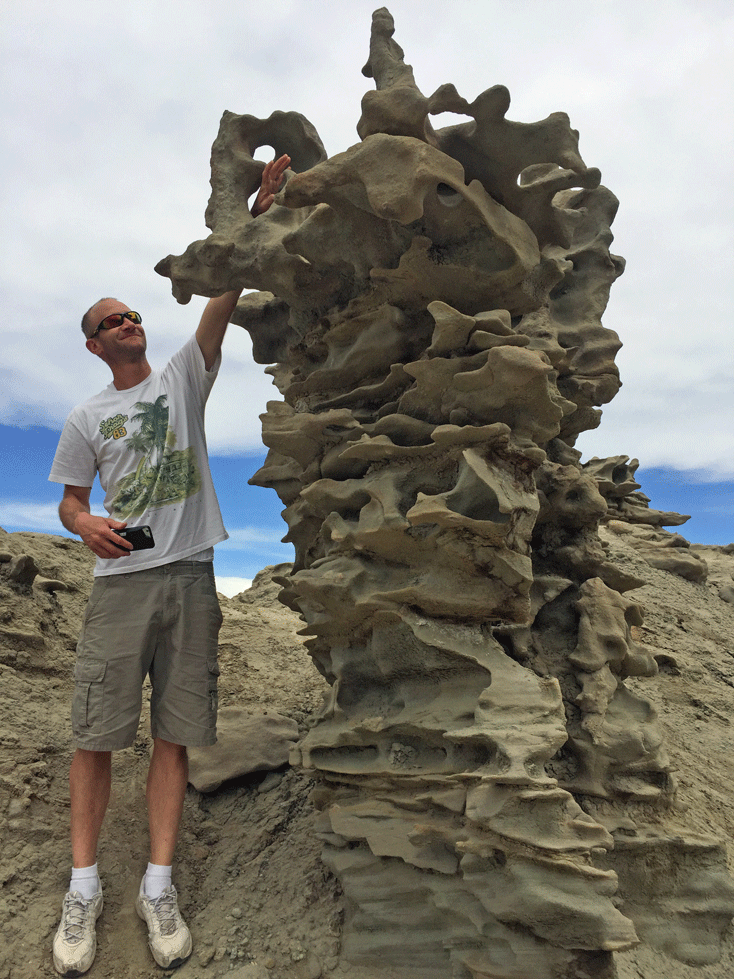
(152, 611)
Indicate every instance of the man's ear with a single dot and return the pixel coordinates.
(94, 346)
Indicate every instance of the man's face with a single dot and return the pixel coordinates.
(119, 344)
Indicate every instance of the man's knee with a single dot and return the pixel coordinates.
(160, 744)
(93, 762)
(168, 754)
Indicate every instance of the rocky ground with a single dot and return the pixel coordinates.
(253, 889)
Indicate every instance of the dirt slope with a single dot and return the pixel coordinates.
(252, 887)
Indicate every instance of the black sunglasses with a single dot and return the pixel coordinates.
(117, 319)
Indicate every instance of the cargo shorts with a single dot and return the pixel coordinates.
(161, 622)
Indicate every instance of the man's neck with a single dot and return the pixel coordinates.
(126, 376)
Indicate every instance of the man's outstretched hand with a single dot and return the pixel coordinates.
(272, 179)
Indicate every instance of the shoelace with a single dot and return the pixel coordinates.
(166, 911)
(76, 910)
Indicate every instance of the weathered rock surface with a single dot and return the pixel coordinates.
(246, 743)
(492, 777)
(251, 882)
(248, 870)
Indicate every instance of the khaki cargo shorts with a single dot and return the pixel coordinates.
(162, 622)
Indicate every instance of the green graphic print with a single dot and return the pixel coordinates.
(163, 475)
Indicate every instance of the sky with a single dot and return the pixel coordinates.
(109, 109)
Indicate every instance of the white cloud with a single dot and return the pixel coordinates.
(19, 515)
(107, 178)
(238, 398)
(244, 537)
(258, 541)
(231, 586)
(40, 517)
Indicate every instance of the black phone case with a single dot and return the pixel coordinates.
(140, 537)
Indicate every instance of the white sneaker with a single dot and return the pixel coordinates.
(168, 937)
(75, 942)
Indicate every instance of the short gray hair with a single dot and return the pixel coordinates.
(87, 325)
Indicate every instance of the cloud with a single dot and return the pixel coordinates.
(22, 515)
(257, 541)
(108, 178)
(39, 517)
(690, 432)
(239, 397)
(231, 586)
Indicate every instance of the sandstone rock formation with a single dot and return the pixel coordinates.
(246, 743)
(430, 303)
(249, 873)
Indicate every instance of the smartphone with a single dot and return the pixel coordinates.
(139, 537)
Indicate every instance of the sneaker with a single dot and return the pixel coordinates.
(168, 937)
(75, 942)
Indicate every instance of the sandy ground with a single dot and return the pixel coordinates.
(251, 884)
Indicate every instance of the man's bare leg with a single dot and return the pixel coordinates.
(75, 941)
(157, 904)
(167, 779)
(89, 785)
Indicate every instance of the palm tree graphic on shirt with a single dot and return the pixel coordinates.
(163, 475)
(153, 418)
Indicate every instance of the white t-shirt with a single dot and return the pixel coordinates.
(148, 445)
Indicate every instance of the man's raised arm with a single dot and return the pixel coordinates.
(218, 311)
(213, 325)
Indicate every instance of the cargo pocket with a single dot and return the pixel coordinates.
(86, 709)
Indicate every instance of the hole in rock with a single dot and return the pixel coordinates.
(668, 664)
(468, 757)
(349, 516)
(264, 153)
(536, 171)
(442, 120)
(497, 858)
(560, 290)
(562, 766)
(448, 196)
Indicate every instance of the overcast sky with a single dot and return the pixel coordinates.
(110, 108)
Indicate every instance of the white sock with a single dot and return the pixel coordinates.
(86, 881)
(157, 879)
